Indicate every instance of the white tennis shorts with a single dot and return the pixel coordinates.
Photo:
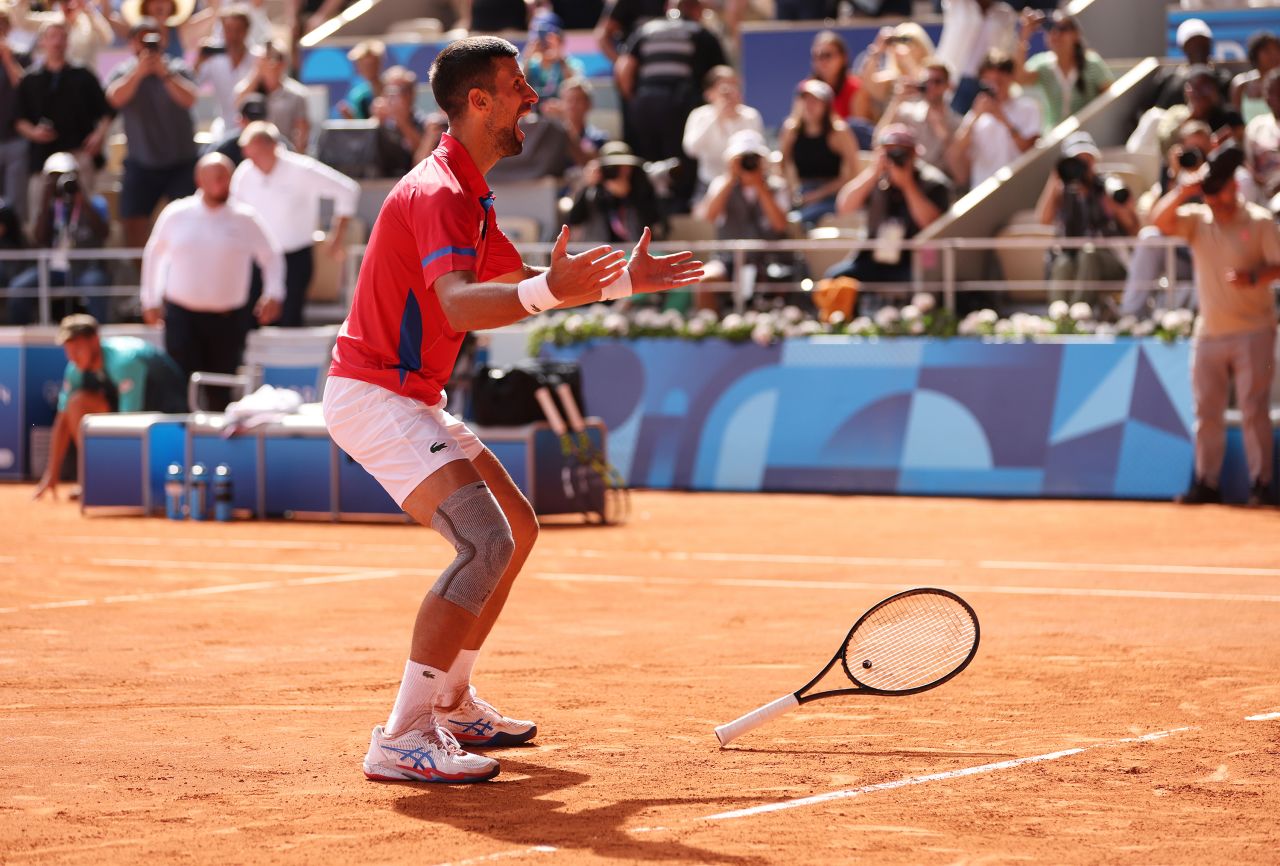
(398, 440)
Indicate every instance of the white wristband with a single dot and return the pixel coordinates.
(535, 295)
(619, 288)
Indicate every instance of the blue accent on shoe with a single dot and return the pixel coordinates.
(417, 755)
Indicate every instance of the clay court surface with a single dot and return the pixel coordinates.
(182, 692)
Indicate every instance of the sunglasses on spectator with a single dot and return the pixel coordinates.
(825, 55)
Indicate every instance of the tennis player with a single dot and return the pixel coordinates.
(437, 266)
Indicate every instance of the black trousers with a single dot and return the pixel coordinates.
(298, 268)
(206, 343)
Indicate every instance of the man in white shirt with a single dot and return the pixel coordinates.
(997, 130)
(221, 70)
(286, 190)
(195, 274)
(709, 127)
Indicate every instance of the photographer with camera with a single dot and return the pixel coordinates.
(68, 218)
(709, 127)
(285, 96)
(902, 195)
(1082, 204)
(997, 130)
(223, 63)
(616, 201)
(1235, 247)
(922, 107)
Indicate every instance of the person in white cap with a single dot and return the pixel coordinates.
(1195, 40)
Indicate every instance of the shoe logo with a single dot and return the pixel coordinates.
(418, 759)
(479, 727)
(439, 446)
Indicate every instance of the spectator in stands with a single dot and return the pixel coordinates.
(88, 30)
(659, 77)
(69, 217)
(106, 374)
(436, 125)
(922, 107)
(286, 189)
(12, 237)
(13, 147)
(998, 129)
(170, 16)
(745, 202)
(616, 201)
(547, 67)
(571, 110)
(1204, 102)
(1069, 75)
(366, 57)
(1262, 144)
(1196, 41)
(902, 195)
(710, 126)
(205, 26)
(153, 94)
(252, 107)
(61, 107)
(1248, 95)
(221, 66)
(1081, 204)
(1235, 247)
(621, 19)
(1147, 262)
(819, 153)
(286, 98)
(195, 274)
(897, 53)
(401, 121)
(971, 29)
(830, 60)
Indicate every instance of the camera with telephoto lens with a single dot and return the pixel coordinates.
(611, 172)
(1072, 169)
(1116, 188)
(899, 156)
(750, 162)
(68, 185)
(1191, 158)
(151, 42)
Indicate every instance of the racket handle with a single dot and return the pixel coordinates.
(570, 407)
(549, 409)
(730, 731)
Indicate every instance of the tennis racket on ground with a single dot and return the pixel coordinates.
(908, 643)
(572, 472)
(603, 480)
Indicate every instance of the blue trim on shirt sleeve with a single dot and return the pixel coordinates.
(444, 251)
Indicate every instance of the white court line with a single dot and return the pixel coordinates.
(1262, 717)
(768, 583)
(502, 855)
(249, 543)
(187, 565)
(1121, 568)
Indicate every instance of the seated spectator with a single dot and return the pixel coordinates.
(997, 130)
(436, 125)
(819, 153)
(69, 217)
(971, 29)
(548, 67)
(709, 127)
(1248, 93)
(1147, 262)
(13, 147)
(106, 374)
(897, 53)
(745, 202)
(829, 55)
(61, 107)
(220, 66)
(616, 201)
(1196, 41)
(153, 94)
(571, 110)
(88, 30)
(1262, 145)
(902, 195)
(366, 57)
(923, 108)
(1080, 204)
(170, 16)
(252, 107)
(1203, 101)
(1069, 75)
(286, 98)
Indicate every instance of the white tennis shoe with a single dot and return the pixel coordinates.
(478, 723)
(430, 755)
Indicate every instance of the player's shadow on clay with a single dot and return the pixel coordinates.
(525, 814)
(834, 749)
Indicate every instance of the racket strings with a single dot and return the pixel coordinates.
(910, 642)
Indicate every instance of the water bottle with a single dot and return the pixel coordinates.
(222, 492)
(198, 502)
(173, 490)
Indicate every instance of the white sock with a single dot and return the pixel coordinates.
(458, 678)
(416, 699)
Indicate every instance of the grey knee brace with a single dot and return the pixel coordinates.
(472, 522)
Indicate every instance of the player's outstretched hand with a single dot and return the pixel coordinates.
(651, 273)
(579, 279)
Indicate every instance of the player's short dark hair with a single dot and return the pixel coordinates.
(463, 65)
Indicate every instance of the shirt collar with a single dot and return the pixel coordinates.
(453, 154)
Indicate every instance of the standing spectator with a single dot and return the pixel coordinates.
(922, 107)
(1080, 204)
(997, 130)
(819, 153)
(1203, 101)
(548, 67)
(286, 98)
(622, 18)
(1248, 93)
(366, 57)
(829, 56)
(971, 29)
(903, 196)
(571, 109)
(195, 274)
(154, 95)
(222, 66)
(13, 147)
(1235, 247)
(88, 30)
(1195, 38)
(1069, 75)
(171, 16)
(897, 53)
(286, 190)
(578, 14)
(69, 217)
(659, 77)
(402, 123)
(252, 107)
(60, 106)
(616, 201)
(709, 127)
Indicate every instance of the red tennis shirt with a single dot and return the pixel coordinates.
(438, 218)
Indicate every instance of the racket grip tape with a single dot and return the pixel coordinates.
(548, 404)
(574, 417)
(730, 731)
